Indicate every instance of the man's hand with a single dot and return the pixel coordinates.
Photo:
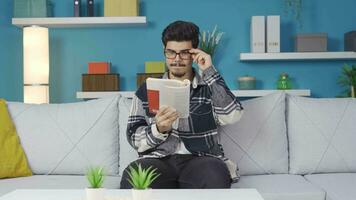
(165, 117)
(201, 58)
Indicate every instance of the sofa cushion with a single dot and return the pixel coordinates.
(321, 135)
(13, 161)
(69, 138)
(281, 187)
(53, 182)
(258, 142)
(340, 186)
(127, 152)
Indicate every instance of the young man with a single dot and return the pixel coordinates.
(186, 152)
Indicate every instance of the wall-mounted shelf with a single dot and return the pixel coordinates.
(298, 56)
(79, 22)
(239, 93)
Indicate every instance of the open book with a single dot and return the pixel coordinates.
(169, 92)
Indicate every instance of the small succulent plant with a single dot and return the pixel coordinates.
(95, 176)
(141, 178)
(348, 79)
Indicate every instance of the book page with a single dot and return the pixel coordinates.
(177, 97)
(168, 92)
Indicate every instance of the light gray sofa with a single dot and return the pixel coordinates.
(288, 147)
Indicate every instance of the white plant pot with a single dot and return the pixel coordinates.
(141, 194)
(94, 193)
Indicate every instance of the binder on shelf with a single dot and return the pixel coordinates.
(76, 7)
(90, 8)
(155, 67)
(258, 44)
(121, 8)
(99, 67)
(273, 34)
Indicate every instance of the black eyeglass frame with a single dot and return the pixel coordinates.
(176, 53)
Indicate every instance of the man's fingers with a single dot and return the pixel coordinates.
(162, 110)
(167, 115)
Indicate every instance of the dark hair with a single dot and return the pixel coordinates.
(181, 31)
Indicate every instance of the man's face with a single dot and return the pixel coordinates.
(178, 65)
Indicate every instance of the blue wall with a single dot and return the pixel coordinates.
(129, 47)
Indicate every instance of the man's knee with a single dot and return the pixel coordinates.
(206, 172)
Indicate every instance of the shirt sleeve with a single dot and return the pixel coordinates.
(141, 134)
(227, 107)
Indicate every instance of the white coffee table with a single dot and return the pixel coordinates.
(162, 194)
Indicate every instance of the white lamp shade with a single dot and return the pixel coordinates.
(36, 64)
(36, 55)
(36, 94)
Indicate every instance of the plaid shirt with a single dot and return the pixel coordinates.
(212, 104)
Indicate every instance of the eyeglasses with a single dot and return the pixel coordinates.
(170, 54)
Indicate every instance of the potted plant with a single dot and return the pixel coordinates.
(348, 79)
(294, 7)
(141, 179)
(209, 41)
(95, 176)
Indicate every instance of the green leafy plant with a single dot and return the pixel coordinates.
(141, 178)
(348, 79)
(210, 40)
(95, 176)
(294, 7)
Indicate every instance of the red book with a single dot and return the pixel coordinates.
(153, 100)
(99, 68)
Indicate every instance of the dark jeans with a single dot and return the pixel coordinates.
(185, 171)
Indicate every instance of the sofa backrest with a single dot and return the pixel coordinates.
(322, 135)
(258, 142)
(127, 153)
(69, 138)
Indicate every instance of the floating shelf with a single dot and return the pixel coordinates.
(347, 55)
(79, 22)
(239, 93)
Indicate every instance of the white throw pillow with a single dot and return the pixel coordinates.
(69, 138)
(322, 135)
(258, 142)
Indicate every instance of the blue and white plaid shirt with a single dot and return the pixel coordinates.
(212, 104)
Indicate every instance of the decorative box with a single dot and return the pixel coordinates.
(155, 67)
(32, 8)
(350, 41)
(317, 42)
(100, 82)
(141, 77)
(247, 83)
(121, 8)
(99, 68)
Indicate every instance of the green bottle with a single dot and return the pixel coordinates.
(284, 82)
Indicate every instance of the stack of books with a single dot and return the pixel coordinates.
(32, 8)
(99, 78)
(114, 8)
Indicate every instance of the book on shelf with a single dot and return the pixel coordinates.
(258, 33)
(273, 34)
(168, 92)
